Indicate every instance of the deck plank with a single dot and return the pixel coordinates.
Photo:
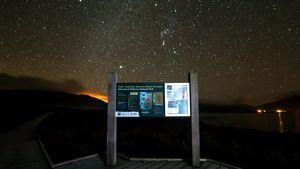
(170, 165)
(150, 164)
(212, 165)
(157, 164)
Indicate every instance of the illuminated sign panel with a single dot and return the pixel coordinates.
(140, 100)
(177, 99)
(152, 99)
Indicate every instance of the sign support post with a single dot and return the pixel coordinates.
(111, 151)
(193, 79)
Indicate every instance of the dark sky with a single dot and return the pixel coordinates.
(245, 51)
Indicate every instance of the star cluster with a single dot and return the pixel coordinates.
(243, 51)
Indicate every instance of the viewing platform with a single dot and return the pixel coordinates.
(30, 155)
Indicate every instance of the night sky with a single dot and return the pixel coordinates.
(245, 51)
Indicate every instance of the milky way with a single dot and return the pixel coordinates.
(244, 51)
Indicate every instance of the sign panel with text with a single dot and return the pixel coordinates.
(140, 100)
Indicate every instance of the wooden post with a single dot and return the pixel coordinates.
(193, 80)
(111, 152)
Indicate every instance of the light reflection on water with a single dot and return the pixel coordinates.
(281, 122)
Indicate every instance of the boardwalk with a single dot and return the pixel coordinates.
(97, 162)
(30, 156)
(19, 150)
(23, 156)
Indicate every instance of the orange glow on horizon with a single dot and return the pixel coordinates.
(97, 96)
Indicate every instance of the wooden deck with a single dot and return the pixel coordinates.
(30, 155)
(97, 162)
(20, 150)
(26, 155)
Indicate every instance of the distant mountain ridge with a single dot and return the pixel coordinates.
(289, 103)
(20, 106)
(10, 99)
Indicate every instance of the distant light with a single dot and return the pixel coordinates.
(120, 66)
(259, 111)
(279, 111)
(80, 0)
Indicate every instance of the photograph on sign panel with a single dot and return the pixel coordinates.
(133, 101)
(158, 98)
(146, 100)
(177, 98)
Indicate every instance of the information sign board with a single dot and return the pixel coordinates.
(153, 100)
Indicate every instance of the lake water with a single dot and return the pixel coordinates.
(281, 122)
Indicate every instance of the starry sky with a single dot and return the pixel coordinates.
(243, 51)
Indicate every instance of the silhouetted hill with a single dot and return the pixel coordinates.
(289, 103)
(19, 106)
(12, 99)
(214, 108)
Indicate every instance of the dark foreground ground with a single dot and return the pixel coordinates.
(74, 134)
